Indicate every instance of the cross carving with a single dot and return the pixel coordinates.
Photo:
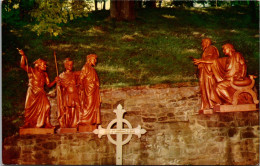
(119, 131)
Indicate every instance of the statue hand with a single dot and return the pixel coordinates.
(196, 61)
(57, 79)
(21, 52)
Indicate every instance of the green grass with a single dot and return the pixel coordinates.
(155, 48)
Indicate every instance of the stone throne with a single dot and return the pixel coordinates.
(241, 87)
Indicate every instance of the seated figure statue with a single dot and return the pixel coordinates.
(234, 73)
(233, 86)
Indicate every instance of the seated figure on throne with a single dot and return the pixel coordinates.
(230, 68)
(232, 84)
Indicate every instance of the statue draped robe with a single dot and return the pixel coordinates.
(37, 105)
(207, 79)
(89, 96)
(226, 68)
(68, 101)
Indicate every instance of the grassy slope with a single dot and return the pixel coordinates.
(155, 48)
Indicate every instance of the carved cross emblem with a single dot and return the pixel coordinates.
(119, 131)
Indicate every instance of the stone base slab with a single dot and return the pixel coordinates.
(32, 131)
(206, 111)
(235, 108)
(87, 128)
(66, 130)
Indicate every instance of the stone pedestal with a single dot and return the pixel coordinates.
(32, 131)
(206, 111)
(66, 130)
(87, 128)
(235, 108)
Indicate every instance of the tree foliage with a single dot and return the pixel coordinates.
(47, 15)
(51, 14)
(10, 11)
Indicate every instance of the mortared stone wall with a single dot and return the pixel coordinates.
(176, 133)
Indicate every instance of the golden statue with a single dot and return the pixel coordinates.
(68, 97)
(232, 86)
(89, 96)
(208, 83)
(37, 105)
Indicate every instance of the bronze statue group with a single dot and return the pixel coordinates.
(78, 96)
(219, 77)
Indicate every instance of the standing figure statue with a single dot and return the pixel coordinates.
(89, 96)
(37, 105)
(207, 80)
(68, 97)
(233, 87)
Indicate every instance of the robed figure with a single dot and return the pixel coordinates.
(207, 80)
(89, 94)
(37, 105)
(230, 72)
(231, 68)
(68, 97)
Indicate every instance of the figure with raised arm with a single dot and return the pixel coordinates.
(37, 105)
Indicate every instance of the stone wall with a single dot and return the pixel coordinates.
(176, 133)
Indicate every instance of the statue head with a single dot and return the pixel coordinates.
(41, 64)
(92, 59)
(68, 64)
(228, 49)
(206, 42)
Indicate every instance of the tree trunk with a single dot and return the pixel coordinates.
(139, 4)
(122, 10)
(104, 5)
(96, 5)
(160, 3)
(151, 4)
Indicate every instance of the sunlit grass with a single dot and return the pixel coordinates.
(172, 78)
(199, 10)
(107, 68)
(169, 16)
(193, 51)
(116, 85)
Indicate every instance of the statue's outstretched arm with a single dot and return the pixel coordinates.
(198, 61)
(48, 83)
(24, 61)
